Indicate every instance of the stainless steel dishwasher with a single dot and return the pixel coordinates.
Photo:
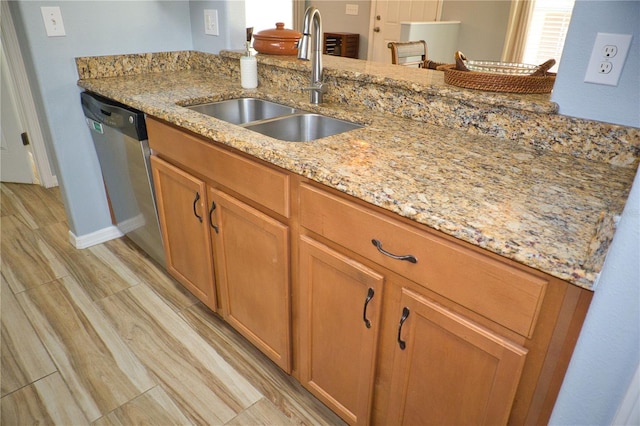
(120, 138)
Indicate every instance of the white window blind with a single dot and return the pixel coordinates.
(547, 31)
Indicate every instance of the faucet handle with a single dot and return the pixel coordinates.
(317, 87)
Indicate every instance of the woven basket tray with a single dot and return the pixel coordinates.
(539, 82)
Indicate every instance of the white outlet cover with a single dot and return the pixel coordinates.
(53, 21)
(605, 69)
(351, 9)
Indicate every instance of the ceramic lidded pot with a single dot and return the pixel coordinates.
(277, 41)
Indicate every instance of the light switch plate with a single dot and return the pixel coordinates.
(351, 9)
(53, 21)
(607, 58)
(211, 22)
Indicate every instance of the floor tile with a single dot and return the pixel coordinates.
(99, 274)
(154, 407)
(277, 386)
(202, 384)
(24, 359)
(56, 238)
(100, 370)
(24, 264)
(35, 205)
(47, 401)
(262, 412)
(150, 273)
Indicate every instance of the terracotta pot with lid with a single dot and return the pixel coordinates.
(277, 41)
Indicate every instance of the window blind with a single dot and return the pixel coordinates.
(547, 31)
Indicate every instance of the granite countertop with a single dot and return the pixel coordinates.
(548, 210)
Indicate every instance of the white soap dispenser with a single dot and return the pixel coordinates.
(248, 70)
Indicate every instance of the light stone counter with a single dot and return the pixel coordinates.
(550, 208)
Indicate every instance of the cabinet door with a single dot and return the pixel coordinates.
(252, 257)
(449, 370)
(340, 303)
(181, 200)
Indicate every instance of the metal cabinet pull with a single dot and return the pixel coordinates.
(213, 207)
(195, 202)
(403, 318)
(370, 294)
(409, 257)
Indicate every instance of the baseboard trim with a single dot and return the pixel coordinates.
(97, 237)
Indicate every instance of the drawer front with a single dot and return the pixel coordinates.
(248, 178)
(505, 294)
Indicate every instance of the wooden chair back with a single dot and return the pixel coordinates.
(409, 53)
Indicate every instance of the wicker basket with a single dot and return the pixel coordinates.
(541, 81)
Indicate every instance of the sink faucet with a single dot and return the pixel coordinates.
(312, 18)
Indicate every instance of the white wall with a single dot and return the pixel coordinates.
(608, 350)
(93, 28)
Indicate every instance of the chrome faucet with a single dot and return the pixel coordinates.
(312, 19)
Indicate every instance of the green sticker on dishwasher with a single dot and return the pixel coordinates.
(95, 126)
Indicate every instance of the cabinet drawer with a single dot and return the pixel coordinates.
(503, 293)
(248, 178)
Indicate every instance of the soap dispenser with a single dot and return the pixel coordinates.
(248, 69)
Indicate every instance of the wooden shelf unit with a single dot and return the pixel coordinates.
(342, 44)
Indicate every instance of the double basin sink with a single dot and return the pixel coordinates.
(275, 120)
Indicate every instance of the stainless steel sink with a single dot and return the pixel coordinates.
(243, 110)
(303, 127)
(275, 120)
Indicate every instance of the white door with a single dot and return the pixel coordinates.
(15, 164)
(385, 25)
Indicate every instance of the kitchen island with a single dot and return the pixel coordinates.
(503, 174)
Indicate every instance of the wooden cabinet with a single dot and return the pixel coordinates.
(320, 285)
(205, 225)
(181, 200)
(448, 369)
(475, 351)
(252, 260)
(339, 323)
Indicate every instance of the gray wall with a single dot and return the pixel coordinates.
(615, 104)
(231, 22)
(93, 28)
(608, 350)
(483, 28)
(334, 19)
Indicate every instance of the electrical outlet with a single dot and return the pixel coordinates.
(211, 22)
(609, 51)
(351, 9)
(607, 58)
(605, 68)
(53, 21)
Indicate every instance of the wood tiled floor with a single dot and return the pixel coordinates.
(103, 336)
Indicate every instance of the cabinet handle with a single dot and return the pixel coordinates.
(195, 202)
(213, 207)
(370, 294)
(403, 318)
(408, 257)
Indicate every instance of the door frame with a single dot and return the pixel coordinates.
(26, 104)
